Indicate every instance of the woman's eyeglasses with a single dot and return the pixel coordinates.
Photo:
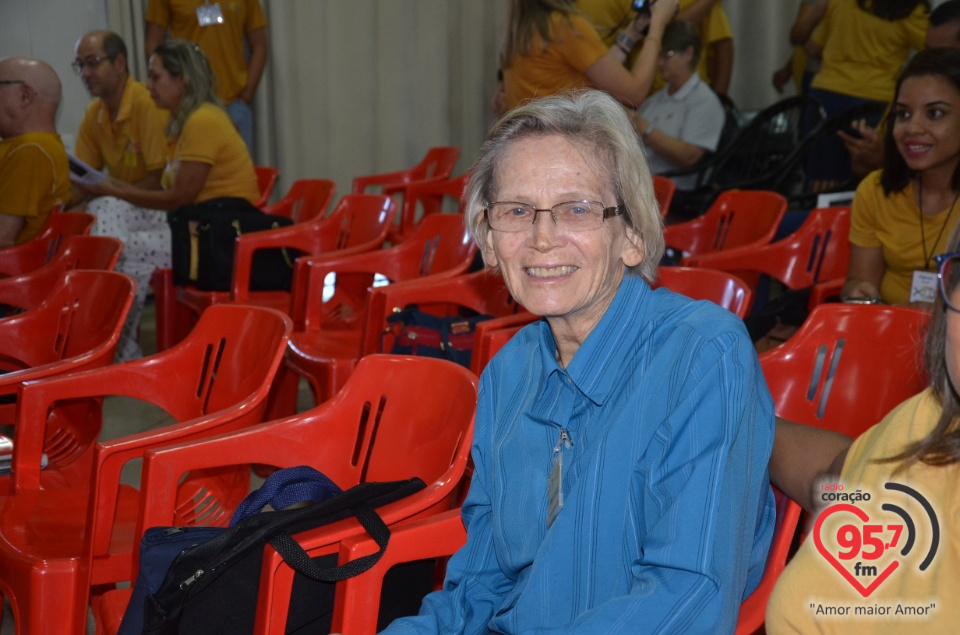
(948, 274)
(574, 216)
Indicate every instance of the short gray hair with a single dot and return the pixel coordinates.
(595, 121)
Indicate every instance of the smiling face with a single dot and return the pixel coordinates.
(568, 277)
(166, 90)
(926, 125)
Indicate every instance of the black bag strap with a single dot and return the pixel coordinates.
(209, 557)
(294, 555)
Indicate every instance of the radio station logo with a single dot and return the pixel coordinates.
(866, 550)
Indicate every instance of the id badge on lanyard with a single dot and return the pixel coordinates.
(209, 14)
(923, 288)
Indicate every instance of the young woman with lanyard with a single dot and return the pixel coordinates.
(903, 213)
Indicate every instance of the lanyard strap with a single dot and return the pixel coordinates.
(923, 234)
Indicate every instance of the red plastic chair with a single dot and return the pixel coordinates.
(358, 224)
(848, 366)
(215, 381)
(490, 336)
(378, 428)
(663, 189)
(440, 247)
(719, 287)
(41, 249)
(306, 200)
(744, 218)
(79, 252)
(436, 165)
(753, 610)
(266, 179)
(76, 327)
(427, 196)
(357, 599)
(819, 250)
(334, 354)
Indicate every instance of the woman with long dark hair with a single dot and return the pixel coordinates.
(903, 213)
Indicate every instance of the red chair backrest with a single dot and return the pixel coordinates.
(428, 197)
(663, 189)
(79, 252)
(437, 164)
(482, 292)
(736, 219)
(848, 366)
(753, 610)
(82, 312)
(440, 246)
(306, 200)
(719, 287)
(41, 249)
(266, 179)
(818, 251)
(360, 219)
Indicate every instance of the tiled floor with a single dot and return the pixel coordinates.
(126, 416)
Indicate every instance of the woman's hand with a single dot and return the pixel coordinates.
(662, 11)
(859, 290)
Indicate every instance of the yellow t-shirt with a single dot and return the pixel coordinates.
(34, 178)
(130, 146)
(862, 54)
(893, 223)
(208, 136)
(608, 16)
(811, 594)
(223, 43)
(575, 46)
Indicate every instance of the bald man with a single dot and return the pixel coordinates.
(34, 174)
(122, 129)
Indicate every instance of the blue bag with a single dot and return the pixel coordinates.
(160, 546)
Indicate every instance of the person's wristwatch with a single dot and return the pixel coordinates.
(646, 133)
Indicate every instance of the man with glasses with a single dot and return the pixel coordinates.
(122, 129)
(34, 173)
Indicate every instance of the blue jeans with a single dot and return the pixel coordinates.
(242, 117)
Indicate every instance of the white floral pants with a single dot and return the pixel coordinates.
(146, 239)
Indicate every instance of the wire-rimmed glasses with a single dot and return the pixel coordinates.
(948, 275)
(574, 216)
(90, 61)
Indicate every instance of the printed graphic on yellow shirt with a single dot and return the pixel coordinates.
(870, 537)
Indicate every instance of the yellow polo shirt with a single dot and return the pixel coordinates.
(34, 178)
(222, 43)
(130, 146)
(208, 136)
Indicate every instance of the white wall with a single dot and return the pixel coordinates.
(48, 29)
